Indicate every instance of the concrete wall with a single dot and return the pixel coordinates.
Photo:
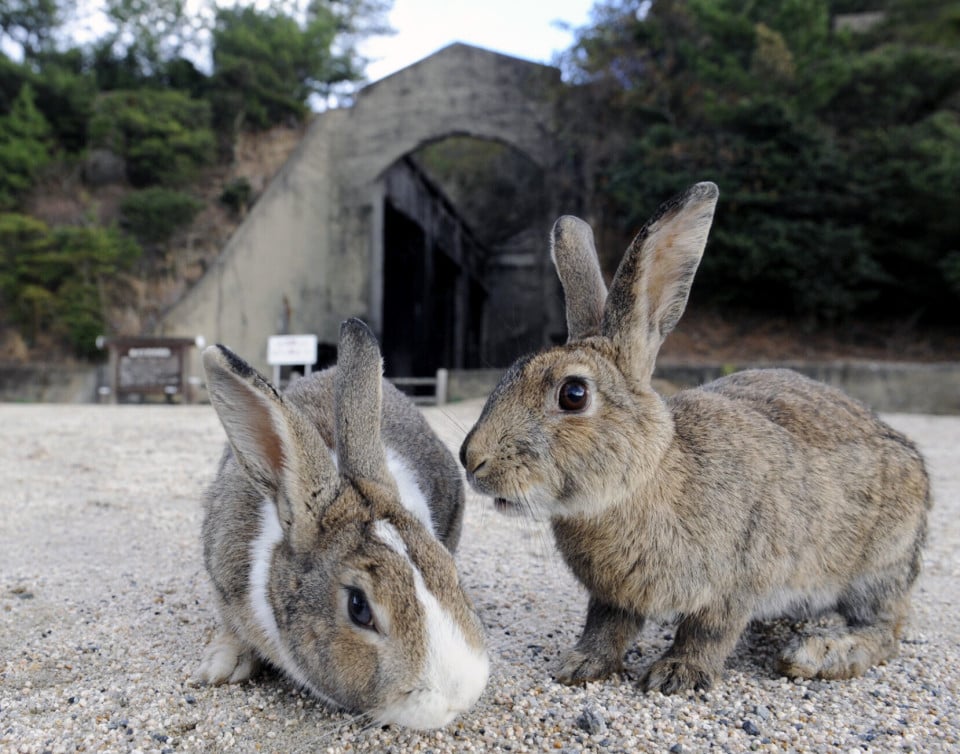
(48, 383)
(310, 252)
(273, 276)
(461, 90)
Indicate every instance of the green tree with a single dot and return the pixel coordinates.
(148, 42)
(164, 135)
(268, 64)
(153, 215)
(56, 281)
(65, 94)
(834, 152)
(153, 31)
(24, 149)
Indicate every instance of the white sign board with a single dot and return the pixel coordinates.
(289, 350)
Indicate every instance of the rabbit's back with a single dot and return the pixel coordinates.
(826, 464)
(816, 416)
(815, 413)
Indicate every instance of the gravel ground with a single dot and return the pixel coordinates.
(105, 610)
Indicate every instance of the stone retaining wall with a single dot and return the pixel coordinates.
(886, 387)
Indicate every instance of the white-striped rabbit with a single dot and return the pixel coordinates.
(328, 536)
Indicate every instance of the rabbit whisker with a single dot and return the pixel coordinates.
(335, 727)
(535, 519)
(456, 424)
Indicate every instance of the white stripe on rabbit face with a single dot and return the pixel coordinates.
(454, 673)
(411, 496)
(261, 558)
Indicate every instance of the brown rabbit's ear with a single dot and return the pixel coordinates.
(652, 284)
(358, 388)
(282, 454)
(575, 256)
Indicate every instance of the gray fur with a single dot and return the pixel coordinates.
(279, 452)
(758, 495)
(580, 274)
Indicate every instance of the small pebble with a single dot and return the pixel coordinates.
(591, 721)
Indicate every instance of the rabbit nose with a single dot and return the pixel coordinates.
(472, 460)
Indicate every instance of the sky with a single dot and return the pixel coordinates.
(521, 28)
(529, 29)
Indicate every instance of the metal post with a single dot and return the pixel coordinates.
(442, 377)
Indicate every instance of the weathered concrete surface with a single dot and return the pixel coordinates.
(276, 273)
(49, 383)
(105, 609)
(310, 253)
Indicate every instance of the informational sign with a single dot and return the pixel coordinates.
(144, 365)
(290, 350)
(156, 367)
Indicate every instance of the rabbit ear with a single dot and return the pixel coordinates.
(358, 387)
(650, 289)
(575, 257)
(282, 454)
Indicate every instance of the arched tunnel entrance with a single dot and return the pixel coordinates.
(465, 225)
(433, 289)
(336, 235)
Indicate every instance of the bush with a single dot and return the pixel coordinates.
(23, 148)
(153, 215)
(236, 195)
(55, 281)
(164, 136)
(65, 96)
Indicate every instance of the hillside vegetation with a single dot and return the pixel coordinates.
(832, 128)
(125, 166)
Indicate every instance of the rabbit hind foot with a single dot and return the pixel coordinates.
(838, 652)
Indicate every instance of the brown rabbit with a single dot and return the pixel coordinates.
(757, 495)
(328, 536)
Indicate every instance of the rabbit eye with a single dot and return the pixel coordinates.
(359, 609)
(573, 395)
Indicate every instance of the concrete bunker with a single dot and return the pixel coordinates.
(463, 253)
(359, 222)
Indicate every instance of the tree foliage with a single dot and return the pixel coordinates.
(146, 92)
(269, 63)
(836, 153)
(153, 215)
(164, 135)
(55, 280)
(24, 148)
(31, 24)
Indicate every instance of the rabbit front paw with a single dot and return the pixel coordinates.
(579, 667)
(673, 674)
(227, 659)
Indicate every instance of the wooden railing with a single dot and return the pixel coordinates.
(438, 383)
